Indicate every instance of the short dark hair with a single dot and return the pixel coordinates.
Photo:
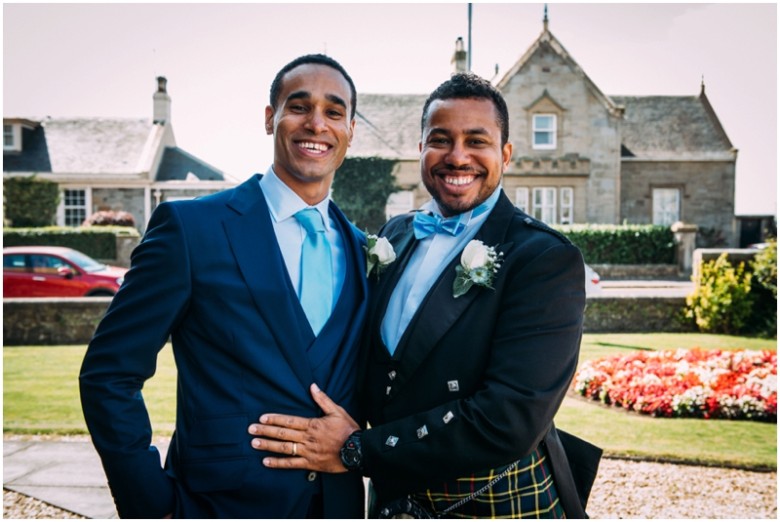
(469, 85)
(317, 59)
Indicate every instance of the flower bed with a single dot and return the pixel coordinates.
(709, 384)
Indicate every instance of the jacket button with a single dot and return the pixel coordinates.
(312, 476)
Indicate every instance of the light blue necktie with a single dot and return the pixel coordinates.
(316, 270)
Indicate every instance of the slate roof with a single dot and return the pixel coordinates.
(388, 126)
(178, 164)
(88, 145)
(672, 127)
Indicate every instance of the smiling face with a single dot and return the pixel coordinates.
(462, 158)
(312, 129)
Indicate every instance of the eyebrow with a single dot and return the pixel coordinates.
(305, 95)
(441, 130)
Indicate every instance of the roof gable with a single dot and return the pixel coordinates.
(178, 164)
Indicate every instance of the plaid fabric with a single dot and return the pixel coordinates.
(528, 491)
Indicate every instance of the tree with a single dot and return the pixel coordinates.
(30, 202)
(361, 188)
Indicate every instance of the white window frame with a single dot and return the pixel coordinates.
(521, 199)
(545, 207)
(566, 211)
(15, 133)
(64, 206)
(666, 205)
(399, 203)
(552, 131)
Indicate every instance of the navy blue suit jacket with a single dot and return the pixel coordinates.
(209, 275)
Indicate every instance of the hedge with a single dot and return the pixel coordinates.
(96, 242)
(622, 244)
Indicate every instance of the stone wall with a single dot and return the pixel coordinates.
(73, 320)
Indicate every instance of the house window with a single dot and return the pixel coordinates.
(12, 137)
(666, 206)
(399, 203)
(544, 127)
(521, 198)
(544, 204)
(75, 206)
(567, 206)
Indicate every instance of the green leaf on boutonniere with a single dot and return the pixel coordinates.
(462, 283)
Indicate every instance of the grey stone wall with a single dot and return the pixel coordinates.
(707, 190)
(73, 321)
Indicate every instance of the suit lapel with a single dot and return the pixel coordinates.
(439, 311)
(253, 241)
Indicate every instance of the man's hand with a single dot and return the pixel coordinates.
(312, 444)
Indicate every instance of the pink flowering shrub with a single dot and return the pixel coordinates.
(708, 384)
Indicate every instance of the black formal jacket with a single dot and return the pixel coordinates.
(476, 380)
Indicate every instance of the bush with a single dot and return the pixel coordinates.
(361, 188)
(30, 202)
(622, 244)
(721, 301)
(96, 242)
(105, 218)
(764, 319)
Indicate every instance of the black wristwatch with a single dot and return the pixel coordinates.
(352, 452)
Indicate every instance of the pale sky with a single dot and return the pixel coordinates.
(101, 60)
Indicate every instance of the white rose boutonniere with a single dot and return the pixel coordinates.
(379, 254)
(478, 266)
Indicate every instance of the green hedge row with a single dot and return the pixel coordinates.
(97, 242)
(622, 244)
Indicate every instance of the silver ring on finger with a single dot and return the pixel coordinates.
(295, 449)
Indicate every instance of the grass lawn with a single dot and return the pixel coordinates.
(40, 395)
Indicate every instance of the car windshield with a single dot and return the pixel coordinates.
(84, 261)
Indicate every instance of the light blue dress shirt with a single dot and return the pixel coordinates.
(283, 204)
(428, 260)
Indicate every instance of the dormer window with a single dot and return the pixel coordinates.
(12, 138)
(544, 131)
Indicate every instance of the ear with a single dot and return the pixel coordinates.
(269, 120)
(419, 146)
(351, 132)
(506, 154)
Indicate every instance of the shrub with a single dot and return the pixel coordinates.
(30, 202)
(97, 242)
(721, 301)
(361, 188)
(764, 318)
(104, 218)
(622, 244)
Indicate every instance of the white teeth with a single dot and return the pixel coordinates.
(314, 146)
(459, 180)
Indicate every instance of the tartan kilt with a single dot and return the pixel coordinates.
(528, 491)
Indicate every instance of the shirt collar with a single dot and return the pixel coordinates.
(472, 216)
(284, 203)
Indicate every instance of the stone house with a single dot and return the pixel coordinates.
(580, 156)
(108, 164)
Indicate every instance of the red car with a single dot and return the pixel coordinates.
(39, 271)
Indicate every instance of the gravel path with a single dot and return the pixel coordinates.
(623, 489)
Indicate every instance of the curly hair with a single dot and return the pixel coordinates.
(469, 85)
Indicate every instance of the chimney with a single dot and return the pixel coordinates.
(162, 102)
(459, 59)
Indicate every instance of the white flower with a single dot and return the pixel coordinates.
(478, 266)
(379, 252)
(475, 255)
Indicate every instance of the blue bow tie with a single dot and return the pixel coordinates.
(426, 224)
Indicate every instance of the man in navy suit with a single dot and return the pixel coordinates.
(472, 340)
(221, 277)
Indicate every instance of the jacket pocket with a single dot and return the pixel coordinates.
(215, 474)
